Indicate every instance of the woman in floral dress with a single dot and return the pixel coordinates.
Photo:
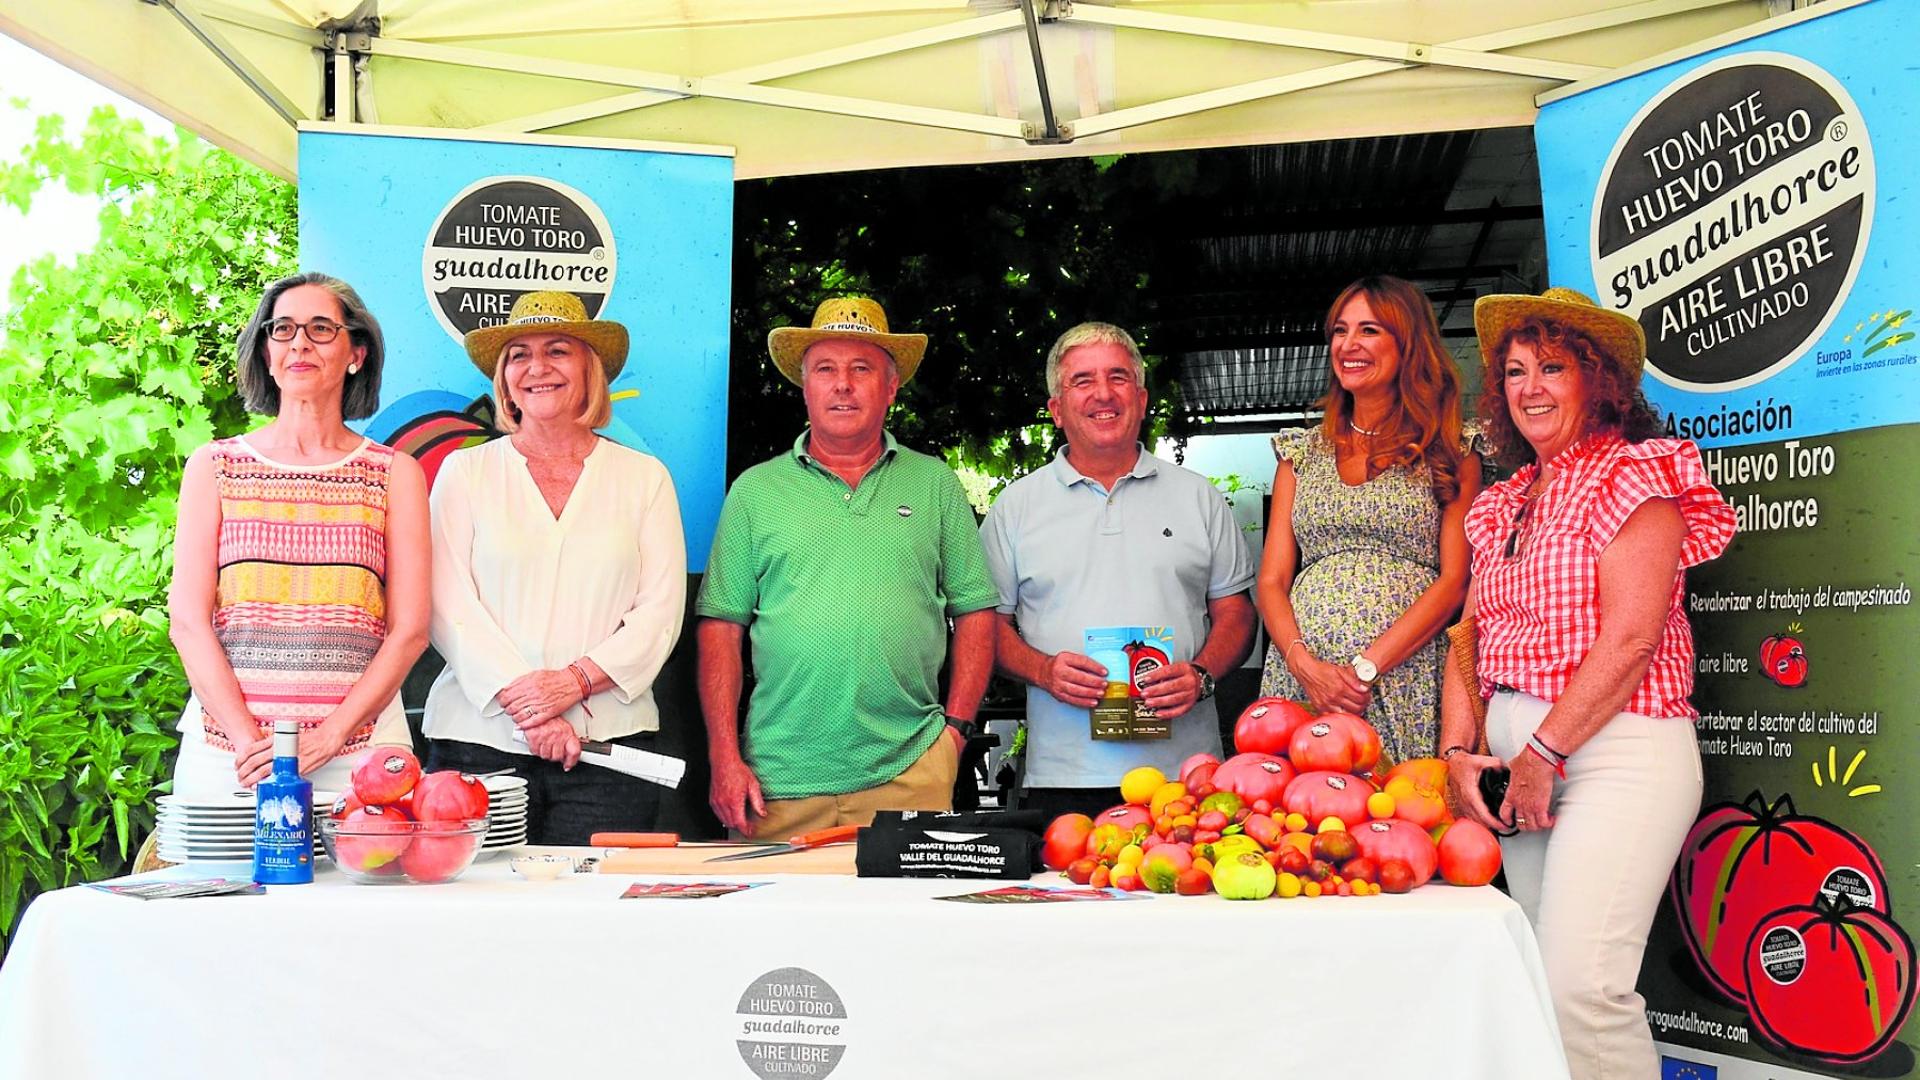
(1366, 553)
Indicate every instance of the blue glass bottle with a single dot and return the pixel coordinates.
(283, 815)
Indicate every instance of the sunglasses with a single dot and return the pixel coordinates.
(1515, 536)
(319, 331)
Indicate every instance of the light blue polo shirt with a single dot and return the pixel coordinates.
(1067, 555)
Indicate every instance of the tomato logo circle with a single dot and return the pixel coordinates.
(1783, 955)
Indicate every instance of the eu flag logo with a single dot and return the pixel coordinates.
(1677, 1069)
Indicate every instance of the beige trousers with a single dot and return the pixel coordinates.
(926, 785)
(1591, 883)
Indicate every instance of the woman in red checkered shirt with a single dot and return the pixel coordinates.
(1578, 567)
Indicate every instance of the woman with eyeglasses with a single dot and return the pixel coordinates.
(1579, 566)
(1366, 553)
(300, 580)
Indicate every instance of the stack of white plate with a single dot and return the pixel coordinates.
(506, 812)
(215, 828)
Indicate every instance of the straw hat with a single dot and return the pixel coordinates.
(549, 313)
(1618, 334)
(853, 317)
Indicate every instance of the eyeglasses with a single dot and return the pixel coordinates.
(319, 331)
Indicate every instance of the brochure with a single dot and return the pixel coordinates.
(1128, 652)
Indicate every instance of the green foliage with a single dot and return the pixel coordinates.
(993, 262)
(112, 370)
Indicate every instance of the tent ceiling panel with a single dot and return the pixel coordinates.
(804, 86)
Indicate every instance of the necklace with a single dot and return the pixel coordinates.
(1358, 430)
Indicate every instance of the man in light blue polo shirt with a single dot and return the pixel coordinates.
(1108, 535)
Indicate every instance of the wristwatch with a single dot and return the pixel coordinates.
(1365, 669)
(1206, 682)
(967, 728)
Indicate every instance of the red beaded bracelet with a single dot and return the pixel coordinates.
(586, 686)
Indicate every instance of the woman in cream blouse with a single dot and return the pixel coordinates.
(559, 578)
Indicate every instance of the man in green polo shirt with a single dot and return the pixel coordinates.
(843, 559)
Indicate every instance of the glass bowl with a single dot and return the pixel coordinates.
(403, 852)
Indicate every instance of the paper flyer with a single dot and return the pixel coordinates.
(1128, 652)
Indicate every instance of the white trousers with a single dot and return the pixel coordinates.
(1591, 883)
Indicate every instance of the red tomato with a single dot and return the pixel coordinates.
(1254, 776)
(1322, 746)
(1267, 725)
(1126, 815)
(1320, 795)
(1829, 979)
(1743, 861)
(386, 775)
(1469, 855)
(449, 796)
(1080, 871)
(1065, 841)
(433, 859)
(372, 837)
(1396, 876)
(1400, 841)
(1366, 741)
(1193, 763)
(1360, 868)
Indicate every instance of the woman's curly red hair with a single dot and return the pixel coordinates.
(1615, 403)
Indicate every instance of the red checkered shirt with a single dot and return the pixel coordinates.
(1537, 614)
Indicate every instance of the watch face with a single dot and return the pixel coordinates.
(1365, 668)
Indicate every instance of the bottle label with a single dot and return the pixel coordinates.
(282, 836)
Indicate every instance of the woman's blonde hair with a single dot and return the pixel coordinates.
(597, 412)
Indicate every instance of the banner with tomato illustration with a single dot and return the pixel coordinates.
(1750, 206)
(441, 233)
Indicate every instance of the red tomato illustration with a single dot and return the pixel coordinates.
(1142, 658)
(1829, 979)
(1784, 660)
(1744, 861)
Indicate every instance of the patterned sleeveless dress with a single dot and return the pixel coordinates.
(1367, 552)
(300, 605)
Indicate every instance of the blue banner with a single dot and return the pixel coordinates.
(440, 235)
(1750, 207)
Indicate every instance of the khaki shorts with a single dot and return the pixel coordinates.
(926, 785)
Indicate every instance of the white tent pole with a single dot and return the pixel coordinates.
(923, 116)
(253, 20)
(1319, 41)
(199, 26)
(1582, 24)
(1225, 96)
(1358, 69)
(777, 69)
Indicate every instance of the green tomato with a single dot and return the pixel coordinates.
(1245, 876)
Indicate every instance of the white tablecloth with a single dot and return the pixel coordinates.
(492, 976)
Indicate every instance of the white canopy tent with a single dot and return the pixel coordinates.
(804, 86)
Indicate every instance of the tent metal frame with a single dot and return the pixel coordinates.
(346, 50)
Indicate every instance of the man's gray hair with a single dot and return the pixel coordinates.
(1091, 333)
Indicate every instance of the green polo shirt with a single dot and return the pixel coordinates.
(845, 593)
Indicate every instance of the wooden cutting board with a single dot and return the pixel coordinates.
(833, 859)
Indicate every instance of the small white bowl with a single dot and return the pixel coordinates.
(542, 867)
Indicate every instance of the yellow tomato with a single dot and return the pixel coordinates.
(1139, 785)
(1332, 824)
(1288, 886)
(1295, 823)
(1167, 792)
(1380, 805)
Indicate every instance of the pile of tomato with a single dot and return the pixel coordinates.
(1305, 809)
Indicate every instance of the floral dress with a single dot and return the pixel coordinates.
(1367, 552)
